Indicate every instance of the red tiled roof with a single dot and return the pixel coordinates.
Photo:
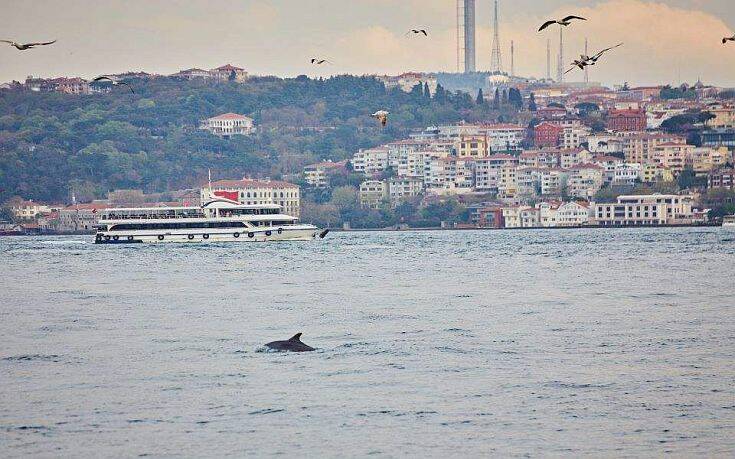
(248, 183)
(230, 116)
(228, 68)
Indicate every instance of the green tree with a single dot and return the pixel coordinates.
(344, 198)
(480, 98)
(532, 103)
(496, 99)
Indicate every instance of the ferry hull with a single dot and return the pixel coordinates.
(194, 237)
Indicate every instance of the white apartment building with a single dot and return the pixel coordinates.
(627, 174)
(505, 137)
(585, 181)
(229, 124)
(370, 161)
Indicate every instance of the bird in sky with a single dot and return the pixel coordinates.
(316, 61)
(114, 82)
(726, 39)
(585, 60)
(418, 32)
(382, 116)
(25, 46)
(563, 22)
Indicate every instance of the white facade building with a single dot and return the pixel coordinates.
(229, 124)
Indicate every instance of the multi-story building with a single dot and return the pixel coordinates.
(317, 175)
(553, 181)
(193, 74)
(704, 159)
(450, 176)
(505, 137)
(722, 178)
(472, 146)
(249, 191)
(653, 173)
(571, 158)
(547, 134)
(572, 214)
(229, 124)
(646, 210)
(80, 218)
(403, 188)
(585, 180)
(507, 184)
(28, 210)
(609, 164)
(639, 148)
(371, 161)
(229, 73)
(724, 117)
(626, 120)
(72, 86)
(574, 137)
(627, 174)
(373, 193)
(719, 138)
(672, 156)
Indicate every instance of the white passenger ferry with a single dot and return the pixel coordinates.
(218, 220)
(728, 221)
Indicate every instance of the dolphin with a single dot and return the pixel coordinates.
(293, 344)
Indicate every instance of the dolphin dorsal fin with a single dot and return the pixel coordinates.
(296, 337)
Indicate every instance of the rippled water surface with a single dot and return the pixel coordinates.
(540, 343)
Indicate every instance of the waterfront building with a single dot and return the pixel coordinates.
(646, 210)
(229, 124)
(573, 214)
(28, 210)
(251, 192)
(80, 218)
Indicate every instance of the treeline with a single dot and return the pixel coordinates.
(53, 145)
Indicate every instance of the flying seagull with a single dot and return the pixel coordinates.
(417, 32)
(25, 46)
(564, 22)
(382, 116)
(726, 39)
(319, 61)
(585, 60)
(114, 82)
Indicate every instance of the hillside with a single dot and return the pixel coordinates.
(54, 144)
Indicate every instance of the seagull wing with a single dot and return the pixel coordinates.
(598, 55)
(569, 18)
(41, 44)
(569, 70)
(424, 32)
(100, 78)
(546, 24)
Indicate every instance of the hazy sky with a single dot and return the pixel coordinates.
(665, 41)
